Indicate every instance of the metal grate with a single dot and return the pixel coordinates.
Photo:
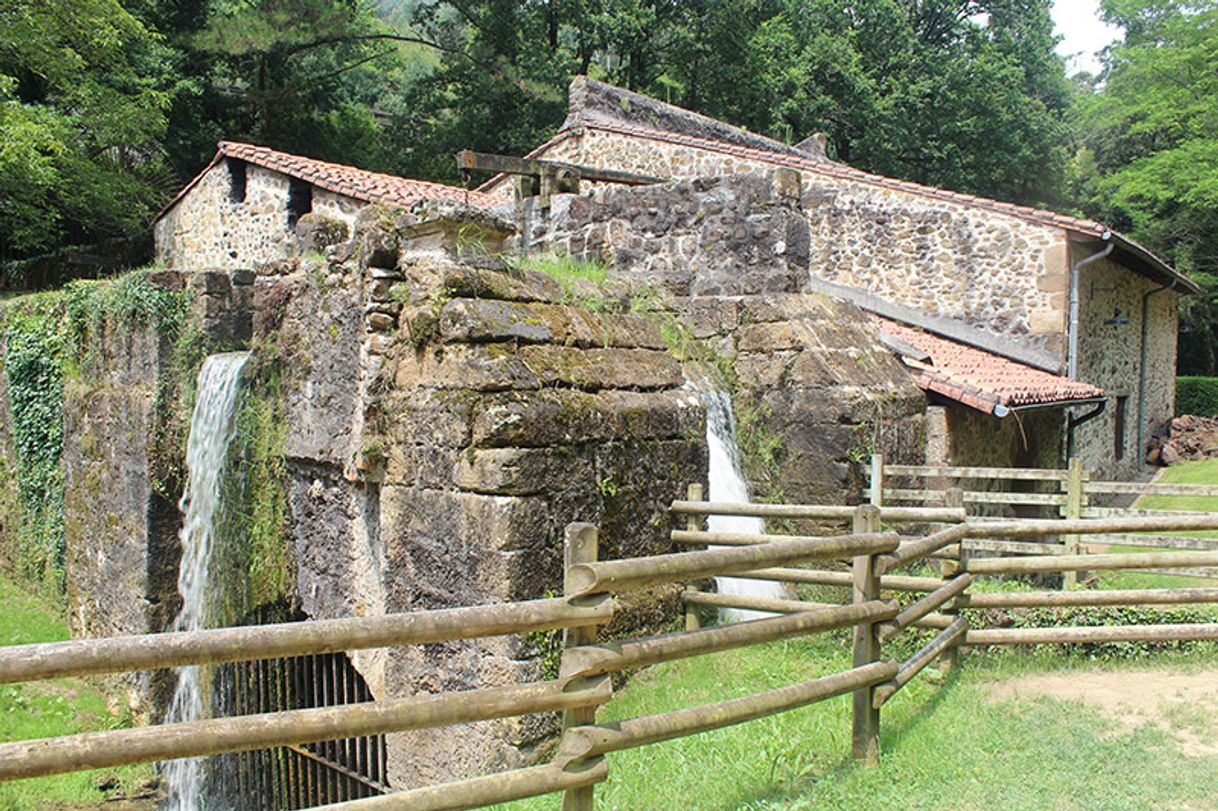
(310, 774)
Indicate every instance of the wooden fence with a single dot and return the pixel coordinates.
(1069, 493)
(584, 684)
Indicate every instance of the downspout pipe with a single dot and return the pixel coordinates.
(1142, 367)
(1073, 422)
(1076, 272)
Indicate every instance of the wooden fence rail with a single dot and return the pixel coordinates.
(1072, 493)
(583, 684)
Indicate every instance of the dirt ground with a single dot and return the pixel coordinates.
(1184, 705)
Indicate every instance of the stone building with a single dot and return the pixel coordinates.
(244, 207)
(1025, 316)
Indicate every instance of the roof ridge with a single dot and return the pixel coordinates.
(349, 181)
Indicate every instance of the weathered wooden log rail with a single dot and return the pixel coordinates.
(943, 597)
(589, 602)
(1070, 493)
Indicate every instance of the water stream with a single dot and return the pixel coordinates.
(211, 431)
(727, 484)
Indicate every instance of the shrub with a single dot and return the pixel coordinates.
(1197, 395)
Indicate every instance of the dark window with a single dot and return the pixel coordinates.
(300, 200)
(236, 177)
(1118, 436)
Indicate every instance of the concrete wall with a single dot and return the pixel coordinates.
(207, 229)
(1110, 357)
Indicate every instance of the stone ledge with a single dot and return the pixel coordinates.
(567, 417)
(505, 366)
(481, 320)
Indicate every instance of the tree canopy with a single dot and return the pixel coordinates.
(1149, 158)
(108, 106)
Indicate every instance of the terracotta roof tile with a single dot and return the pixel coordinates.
(981, 379)
(359, 184)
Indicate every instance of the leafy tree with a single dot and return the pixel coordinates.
(1149, 158)
(82, 109)
(950, 92)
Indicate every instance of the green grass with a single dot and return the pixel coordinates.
(946, 744)
(50, 708)
(582, 280)
(1201, 472)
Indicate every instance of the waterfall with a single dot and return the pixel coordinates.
(727, 484)
(211, 432)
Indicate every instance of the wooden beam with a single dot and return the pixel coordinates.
(505, 164)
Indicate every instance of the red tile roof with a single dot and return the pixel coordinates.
(358, 184)
(981, 379)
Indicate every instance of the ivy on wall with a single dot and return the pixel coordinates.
(52, 340)
(33, 368)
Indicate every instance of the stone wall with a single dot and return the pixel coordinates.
(208, 229)
(448, 420)
(120, 532)
(812, 377)
(815, 388)
(997, 272)
(1110, 357)
(711, 236)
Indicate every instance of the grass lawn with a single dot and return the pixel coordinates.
(45, 709)
(1201, 472)
(947, 744)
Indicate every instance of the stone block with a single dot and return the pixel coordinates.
(763, 370)
(479, 320)
(571, 417)
(594, 369)
(242, 277)
(523, 471)
(316, 232)
(778, 336)
(481, 367)
(212, 282)
(465, 521)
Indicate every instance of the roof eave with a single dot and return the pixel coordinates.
(1155, 266)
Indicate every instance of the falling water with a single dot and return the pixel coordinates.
(728, 485)
(211, 432)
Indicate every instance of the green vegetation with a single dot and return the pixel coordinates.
(1197, 395)
(51, 341)
(946, 743)
(253, 555)
(1149, 161)
(57, 707)
(33, 365)
(582, 280)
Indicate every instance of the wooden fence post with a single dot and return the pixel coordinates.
(693, 523)
(877, 479)
(953, 498)
(1074, 511)
(866, 734)
(580, 546)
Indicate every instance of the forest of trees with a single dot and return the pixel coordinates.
(108, 106)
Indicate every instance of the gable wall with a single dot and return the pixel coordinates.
(1110, 357)
(206, 229)
(998, 272)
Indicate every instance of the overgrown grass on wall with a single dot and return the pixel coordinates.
(34, 352)
(1197, 395)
